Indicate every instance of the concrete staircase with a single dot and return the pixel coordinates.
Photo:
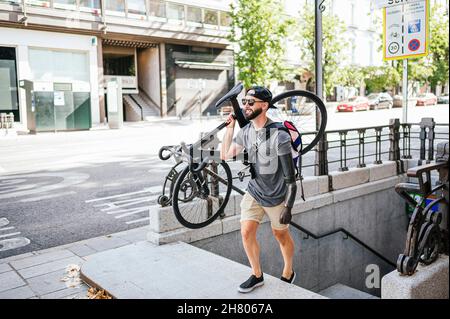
(139, 107)
(149, 108)
(340, 291)
(178, 271)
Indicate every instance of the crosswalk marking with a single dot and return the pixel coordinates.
(137, 221)
(10, 243)
(125, 205)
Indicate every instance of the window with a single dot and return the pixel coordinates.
(194, 14)
(65, 4)
(352, 21)
(225, 19)
(11, 1)
(157, 8)
(211, 17)
(175, 11)
(115, 6)
(40, 3)
(119, 64)
(8, 82)
(136, 7)
(51, 65)
(353, 56)
(90, 4)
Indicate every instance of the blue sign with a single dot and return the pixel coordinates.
(414, 26)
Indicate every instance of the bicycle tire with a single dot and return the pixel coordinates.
(320, 108)
(181, 217)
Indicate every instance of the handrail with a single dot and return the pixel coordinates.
(346, 232)
(142, 110)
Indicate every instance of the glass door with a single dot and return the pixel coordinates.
(9, 99)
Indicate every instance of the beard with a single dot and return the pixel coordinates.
(253, 114)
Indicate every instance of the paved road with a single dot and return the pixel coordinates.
(60, 188)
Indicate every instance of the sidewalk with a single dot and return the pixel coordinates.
(39, 274)
(127, 266)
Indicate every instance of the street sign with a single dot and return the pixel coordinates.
(406, 30)
(378, 4)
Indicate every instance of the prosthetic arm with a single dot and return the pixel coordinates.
(287, 165)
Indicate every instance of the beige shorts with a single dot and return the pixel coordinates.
(252, 210)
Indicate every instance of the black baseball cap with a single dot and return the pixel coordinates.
(261, 93)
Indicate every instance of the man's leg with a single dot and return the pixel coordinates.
(286, 242)
(251, 245)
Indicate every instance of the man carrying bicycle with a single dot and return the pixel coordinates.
(272, 188)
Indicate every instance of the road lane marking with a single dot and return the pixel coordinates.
(10, 234)
(69, 179)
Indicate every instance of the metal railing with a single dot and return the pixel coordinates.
(343, 149)
(349, 235)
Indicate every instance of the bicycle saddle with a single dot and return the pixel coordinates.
(232, 94)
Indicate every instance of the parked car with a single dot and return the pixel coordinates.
(426, 99)
(356, 103)
(380, 100)
(398, 101)
(443, 99)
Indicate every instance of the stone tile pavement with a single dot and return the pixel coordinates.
(39, 274)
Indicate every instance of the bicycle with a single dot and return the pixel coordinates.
(200, 183)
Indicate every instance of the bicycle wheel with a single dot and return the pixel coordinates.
(199, 198)
(302, 108)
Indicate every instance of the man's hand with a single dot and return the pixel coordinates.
(286, 215)
(231, 120)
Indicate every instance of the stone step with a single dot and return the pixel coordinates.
(178, 271)
(340, 291)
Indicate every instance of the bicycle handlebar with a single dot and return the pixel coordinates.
(165, 149)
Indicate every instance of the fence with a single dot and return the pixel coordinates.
(342, 149)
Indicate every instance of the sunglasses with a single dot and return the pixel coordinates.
(250, 102)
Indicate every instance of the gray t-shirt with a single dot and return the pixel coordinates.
(268, 188)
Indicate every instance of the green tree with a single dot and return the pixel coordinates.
(381, 78)
(259, 29)
(333, 44)
(439, 45)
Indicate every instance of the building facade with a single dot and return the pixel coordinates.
(172, 57)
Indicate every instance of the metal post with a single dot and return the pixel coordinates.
(406, 141)
(343, 151)
(394, 139)
(361, 151)
(427, 125)
(319, 8)
(405, 91)
(394, 144)
(321, 167)
(378, 146)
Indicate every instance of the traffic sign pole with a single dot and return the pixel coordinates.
(405, 91)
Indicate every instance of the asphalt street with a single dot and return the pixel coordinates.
(60, 188)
